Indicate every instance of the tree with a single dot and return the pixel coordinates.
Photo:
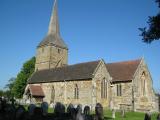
(153, 31)
(9, 87)
(22, 77)
(1, 93)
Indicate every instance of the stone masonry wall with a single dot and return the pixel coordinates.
(101, 74)
(50, 57)
(125, 100)
(64, 92)
(147, 101)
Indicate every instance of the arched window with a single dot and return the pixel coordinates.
(143, 83)
(76, 92)
(104, 86)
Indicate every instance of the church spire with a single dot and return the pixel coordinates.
(54, 24)
(53, 37)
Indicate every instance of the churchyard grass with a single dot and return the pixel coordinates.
(129, 115)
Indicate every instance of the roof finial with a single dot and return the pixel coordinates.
(54, 24)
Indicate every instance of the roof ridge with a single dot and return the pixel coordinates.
(126, 61)
(68, 66)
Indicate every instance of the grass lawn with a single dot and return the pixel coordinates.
(129, 115)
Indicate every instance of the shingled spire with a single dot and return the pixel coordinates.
(54, 24)
(53, 37)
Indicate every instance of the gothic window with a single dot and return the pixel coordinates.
(104, 90)
(143, 83)
(76, 92)
(119, 90)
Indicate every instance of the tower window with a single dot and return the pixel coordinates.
(76, 92)
(119, 90)
(104, 90)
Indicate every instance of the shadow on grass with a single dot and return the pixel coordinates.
(108, 118)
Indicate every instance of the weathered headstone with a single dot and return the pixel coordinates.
(10, 110)
(69, 108)
(147, 116)
(31, 108)
(44, 107)
(158, 116)
(20, 111)
(123, 114)
(59, 109)
(99, 112)
(113, 113)
(86, 110)
(79, 115)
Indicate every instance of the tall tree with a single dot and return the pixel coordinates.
(152, 33)
(9, 87)
(1, 93)
(22, 77)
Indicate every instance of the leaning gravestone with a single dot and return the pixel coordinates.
(44, 107)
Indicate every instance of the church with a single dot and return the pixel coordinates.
(121, 85)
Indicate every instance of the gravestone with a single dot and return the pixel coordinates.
(10, 110)
(31, 108)
(158, 116)
(99, 112)
(44, 107)
(79, 115)
(147, 116)
(113, 113)
(69, 108)
(123, 114)
(86, 110)
(20, 111)
(59, 109)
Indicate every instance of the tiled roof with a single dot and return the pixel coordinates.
(123, 71)
(72, 72)
(36, 90)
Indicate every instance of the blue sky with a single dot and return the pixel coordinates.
(92, 29)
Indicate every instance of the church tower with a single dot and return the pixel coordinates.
(52, 52)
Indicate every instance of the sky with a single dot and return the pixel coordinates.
(92, 29)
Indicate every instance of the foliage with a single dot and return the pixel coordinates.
(153, 31)
(8, 93)
(22, 77)
(1, 93)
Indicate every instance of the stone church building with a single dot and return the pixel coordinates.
(126, 84)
